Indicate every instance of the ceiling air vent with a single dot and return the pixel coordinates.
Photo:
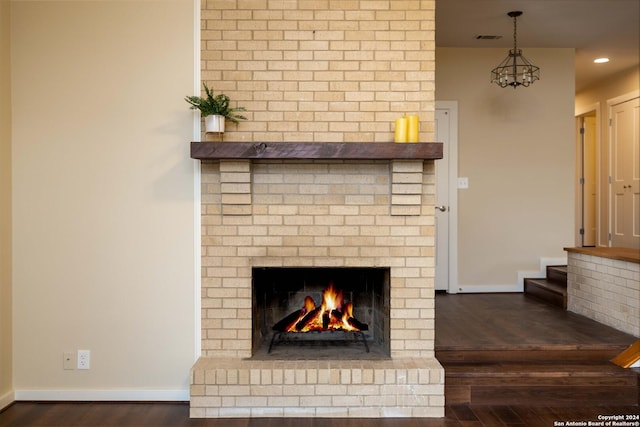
(487, 37)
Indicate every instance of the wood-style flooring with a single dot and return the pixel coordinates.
(479, 324)
(513, 321)
(26, 414)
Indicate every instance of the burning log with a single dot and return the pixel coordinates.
(285, 323)
(333, 314)
(336, 317)
(352, 321)
(325, 320)
(357, 324)
(307, 318)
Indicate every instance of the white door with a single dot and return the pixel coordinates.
(625, 174)
(446, 265)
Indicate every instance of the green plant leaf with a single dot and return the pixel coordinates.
(218, 104)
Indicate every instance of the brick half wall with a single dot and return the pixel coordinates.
(606, 290)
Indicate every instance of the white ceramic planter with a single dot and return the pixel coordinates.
(214, 123)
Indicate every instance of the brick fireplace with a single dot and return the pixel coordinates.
(296, 213)
(332, 76)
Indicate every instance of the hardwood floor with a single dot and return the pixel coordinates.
(50, 414)
(513, 321)
(469, 328)
(507, 349)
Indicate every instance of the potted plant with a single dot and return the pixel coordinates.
(215, 109)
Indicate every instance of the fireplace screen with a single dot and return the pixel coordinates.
(321, 313)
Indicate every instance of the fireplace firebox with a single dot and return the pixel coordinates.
(320, 313)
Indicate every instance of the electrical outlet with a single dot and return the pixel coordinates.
(463, 182)
(84, 359)
(68, 361)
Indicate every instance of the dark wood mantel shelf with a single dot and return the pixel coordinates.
(316, 150)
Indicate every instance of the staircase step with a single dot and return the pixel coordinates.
(547, 291)
(557, 273)
(530, 354)
(540, 384)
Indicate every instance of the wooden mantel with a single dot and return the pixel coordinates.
(316, 150)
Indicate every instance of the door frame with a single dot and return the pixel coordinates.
(581, 184)
(452, 160)
(579, 114)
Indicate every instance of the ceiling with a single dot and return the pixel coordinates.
(595, 28)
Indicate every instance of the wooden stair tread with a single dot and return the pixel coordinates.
(548, 285)
(558, 274)
(567, 354)
(559, 268)
(535, 347)
(540, 384)
(551, 289)
(528, 370)
(549, 396)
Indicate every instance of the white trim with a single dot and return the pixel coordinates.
(452, 108)
(7, 399)
(595, 108)
(598, 175)
(586, 109)
(519, 286)
(545, 262)
(484, 289)
(623, 98)
(103, 395)
(197, 198)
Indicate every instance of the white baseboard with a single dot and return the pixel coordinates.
(544, 262)
(519, 285)
(103, 395)
(470, 289)
(6, 400)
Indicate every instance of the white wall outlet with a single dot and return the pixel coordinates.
(84, 359)
(68, 361)
(463, 182)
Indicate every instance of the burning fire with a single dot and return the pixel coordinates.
(333, 314)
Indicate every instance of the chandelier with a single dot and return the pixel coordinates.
(515, 70)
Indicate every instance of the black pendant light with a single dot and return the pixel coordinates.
(515, 70)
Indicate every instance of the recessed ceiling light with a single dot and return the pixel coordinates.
(601, 60)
